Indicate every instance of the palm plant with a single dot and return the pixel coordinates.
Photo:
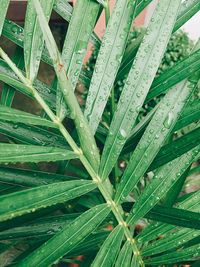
(52, 216)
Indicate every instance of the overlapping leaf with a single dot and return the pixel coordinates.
(29, 200)
(140, 78)
(28, 153)
(67, 239)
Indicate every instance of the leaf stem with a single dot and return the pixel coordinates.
(105, 187)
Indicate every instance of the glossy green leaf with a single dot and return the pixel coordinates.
(67, 239)
(124, 258)
(86, 139)
(176, 148)
(140, 78)
(9, 77)
(28, 153)
(15, 33)
(14, 115)
(162, 181)
(3, 11)
(187, 9)
(29, 134)
(76, 41)
(180, 71)
(31, 178)
(64, 9)
(189, 114)
(33, 37)
(45, 228)
(175, 216)
(17, 204)
(171, 241)
(152, 231)
(108, 60)
(109, 250)
(75, 44)
(191, 253)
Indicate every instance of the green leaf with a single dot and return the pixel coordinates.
(33, 37)
(9, 77)
(124, 258)
(109, 250)
(154, 230)
(189, 115)
(9, 92)
(162, 181)
(175, 216)
(176, 148)
(29, 134)
(67, 239)
(108, 60)
(3, 11)
(31, 178)
(171, 241)
(180, 71)
(17, 204)
(86, 139)
(172, 195)
(64, 9)
(75, 44)
(154, 137)
(187, 9)
(15, 33)
(78, 34)
(27, 153)
(191, 253)
(14, 115)
(45, 227)
(140, 78)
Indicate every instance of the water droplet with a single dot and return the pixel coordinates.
(169, 120)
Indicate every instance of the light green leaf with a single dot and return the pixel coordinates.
(3, 11)
(14, 115)
(28, 153)
(64, 9)
(67, 239)
(124, 258)
(19, 203)
(108, 60)
(33, 37)
(139, 81)
(80, 28)
(109, 250)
